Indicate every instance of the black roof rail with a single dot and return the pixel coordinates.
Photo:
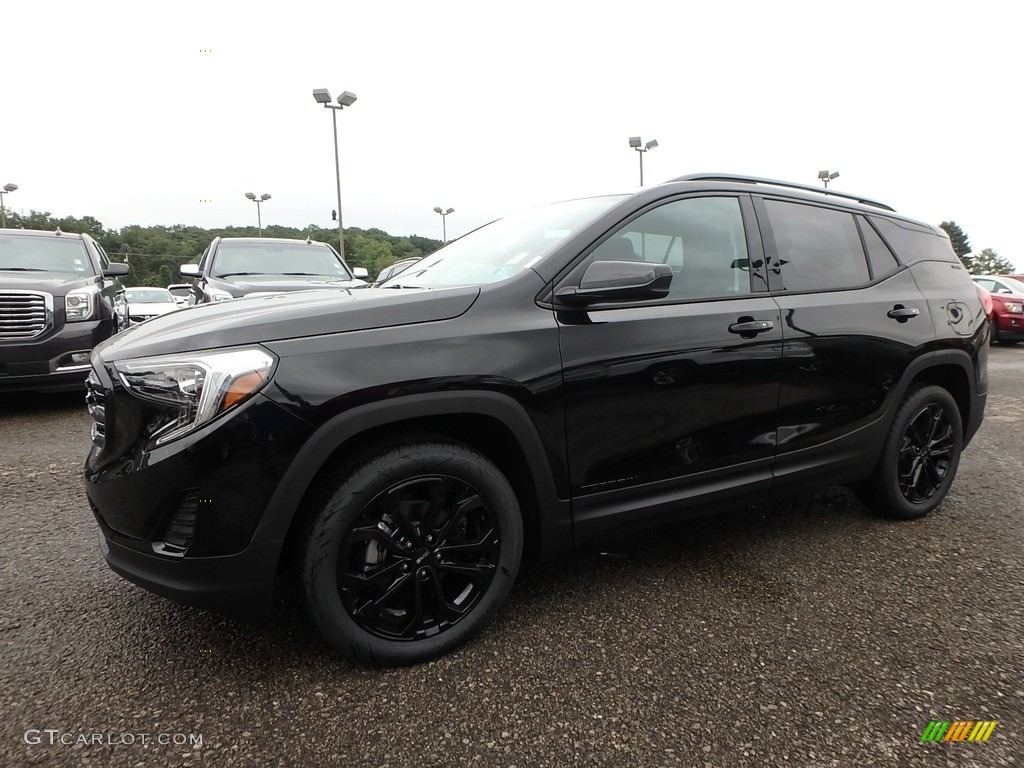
(775, 183)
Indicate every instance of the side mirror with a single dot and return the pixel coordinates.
(619, 281)
(115, 270)
(360, 272)
(190, 270)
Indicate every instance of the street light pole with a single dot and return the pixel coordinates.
(345, 99)
(635, 143)
(444, 220)
(258, 200)
(3, 211)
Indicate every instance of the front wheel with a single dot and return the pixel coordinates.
(411, 553)
(920, 456)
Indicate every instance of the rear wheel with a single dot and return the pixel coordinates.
(412, 553)
(920, 457)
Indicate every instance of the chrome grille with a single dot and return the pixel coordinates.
(96, 398)
(23, 314)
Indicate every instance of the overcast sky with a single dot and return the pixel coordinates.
(139, 112)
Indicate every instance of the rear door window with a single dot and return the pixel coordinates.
(817, 249)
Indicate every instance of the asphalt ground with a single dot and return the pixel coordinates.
(802, 633)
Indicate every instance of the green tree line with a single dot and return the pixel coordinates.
(155, 253)
(985, 262)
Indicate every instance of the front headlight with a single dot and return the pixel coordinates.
(80, 304)
(194, 388)
(1014, 307)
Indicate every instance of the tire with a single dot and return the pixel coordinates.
(411, 553)
(995, 331)
(920, 456)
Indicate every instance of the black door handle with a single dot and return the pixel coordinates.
(902, 314)
(744, 326)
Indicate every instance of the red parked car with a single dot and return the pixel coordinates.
(1007, 307)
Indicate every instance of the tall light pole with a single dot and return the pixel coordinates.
(826, 177)
(3, 211)
(639, 146)
(444, 220)
(258, 200)
(345, 99)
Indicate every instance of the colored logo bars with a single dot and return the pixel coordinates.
(958, 730)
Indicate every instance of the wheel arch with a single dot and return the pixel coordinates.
(492, 423)
(953, 371)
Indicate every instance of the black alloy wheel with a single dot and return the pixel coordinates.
(412, 553)
(926, 451)
(920, 456)
(419, 557)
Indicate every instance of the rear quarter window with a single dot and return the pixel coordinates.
(914, 242)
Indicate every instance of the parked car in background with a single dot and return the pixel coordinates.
(1007, 307)
(147, 303)
(182, 292)
(252, 266)
(570, 371)
(59, 298)
(394, 269)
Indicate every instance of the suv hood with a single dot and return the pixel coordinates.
(43, 281)
(280, 316)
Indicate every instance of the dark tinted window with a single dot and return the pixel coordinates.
(882, 260)
(819, 248)
(701, 238)
(913, 242)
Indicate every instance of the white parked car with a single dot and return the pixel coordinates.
(182, 293)
(146, 303)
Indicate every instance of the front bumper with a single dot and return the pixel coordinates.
(239, 586)
(1011, 327)
(183, 520)
(46, 365)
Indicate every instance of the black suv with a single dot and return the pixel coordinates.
(232, 267)
(58, 299)
(556, 375)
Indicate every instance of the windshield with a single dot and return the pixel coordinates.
(148, 296)
(20, 253)
(502, 248)
(278, 259)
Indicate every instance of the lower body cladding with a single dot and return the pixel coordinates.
(186, 520)
(59, 362)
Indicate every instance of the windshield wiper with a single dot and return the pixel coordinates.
(401, 285)
(24, 269)
(236, 274)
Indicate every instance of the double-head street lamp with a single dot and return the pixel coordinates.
(258, 200)
(345, 99)
(639, 146)
(444, 219)
(826, 177)
(3, 211)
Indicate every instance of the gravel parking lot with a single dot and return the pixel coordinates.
(801, 633)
